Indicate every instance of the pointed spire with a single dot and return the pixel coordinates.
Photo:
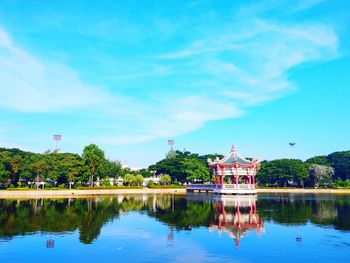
(233, 149)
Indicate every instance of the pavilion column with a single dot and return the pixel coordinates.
(236, 178)
(222, 177)
(223, 212)
(215, 177)
(233, 176)
(250, 180)
(253, 178)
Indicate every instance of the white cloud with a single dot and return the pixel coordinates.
(217, 75)
(28, 84)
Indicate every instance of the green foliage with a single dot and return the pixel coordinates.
(169, 186)
(145, 173)
(138, 179)
(341, 184)
(281, 172)
(150, 183)
(106, 182)
(128, 179)
(340, 161)
(165, 179)
(20, 169)
(182, 167)
(94, 158)
(320, 160)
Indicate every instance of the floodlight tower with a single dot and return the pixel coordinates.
(57, 138)
(171, 144)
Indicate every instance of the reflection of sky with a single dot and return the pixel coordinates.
(135, 237)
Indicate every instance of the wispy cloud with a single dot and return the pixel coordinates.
(213, 73)
(31, 84)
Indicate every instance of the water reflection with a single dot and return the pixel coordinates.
(235, 216)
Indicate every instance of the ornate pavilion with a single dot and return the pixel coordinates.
(233, 174)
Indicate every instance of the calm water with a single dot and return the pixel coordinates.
(196, 228)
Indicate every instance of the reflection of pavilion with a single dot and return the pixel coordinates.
(236, 216)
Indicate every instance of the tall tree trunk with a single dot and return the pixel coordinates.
(92, 172)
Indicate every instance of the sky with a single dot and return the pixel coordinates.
(129, 75)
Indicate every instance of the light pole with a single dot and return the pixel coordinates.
(292, 144)
(57, 138)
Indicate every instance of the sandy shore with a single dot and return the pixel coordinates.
(70, 193)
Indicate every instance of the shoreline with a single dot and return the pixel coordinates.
(302, 191)
(4, 194)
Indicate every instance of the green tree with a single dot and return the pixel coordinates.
(15, 164)
(195, 170)
(320, 160)
(94, 158)
(280, 172)
(183, 167)
(128, 179)
(138, 179)
(340, 161)
(40, 169)
(165, 179)
(72, 167)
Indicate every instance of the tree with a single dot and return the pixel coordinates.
(5, 169)
(280, 172)
(320, 175)
(93, 157)
(138, 179)
(14, 165)
(4, 175)
(340, 161)
(128, 179)
(183, 167)
(320, 160)
(165, 179)
(40, 169)
(195, 170)
(72, 167)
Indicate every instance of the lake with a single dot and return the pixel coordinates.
(168, 228)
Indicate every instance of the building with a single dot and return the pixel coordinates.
(233, 174)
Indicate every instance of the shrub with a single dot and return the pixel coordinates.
(150, 183)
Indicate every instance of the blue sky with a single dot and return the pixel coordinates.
(128, 75)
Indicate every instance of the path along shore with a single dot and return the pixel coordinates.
(4, 194)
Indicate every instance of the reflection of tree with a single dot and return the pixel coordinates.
(187, 214)
(89, 215)
(301, 209)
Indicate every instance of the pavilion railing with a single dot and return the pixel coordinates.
(219, 186)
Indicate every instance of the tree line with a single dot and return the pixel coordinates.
(19, 168)
(331, 170)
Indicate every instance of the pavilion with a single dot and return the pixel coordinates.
(233, 174)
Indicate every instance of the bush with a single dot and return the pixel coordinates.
(166, 186)
(106, 182)
(150, 183)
